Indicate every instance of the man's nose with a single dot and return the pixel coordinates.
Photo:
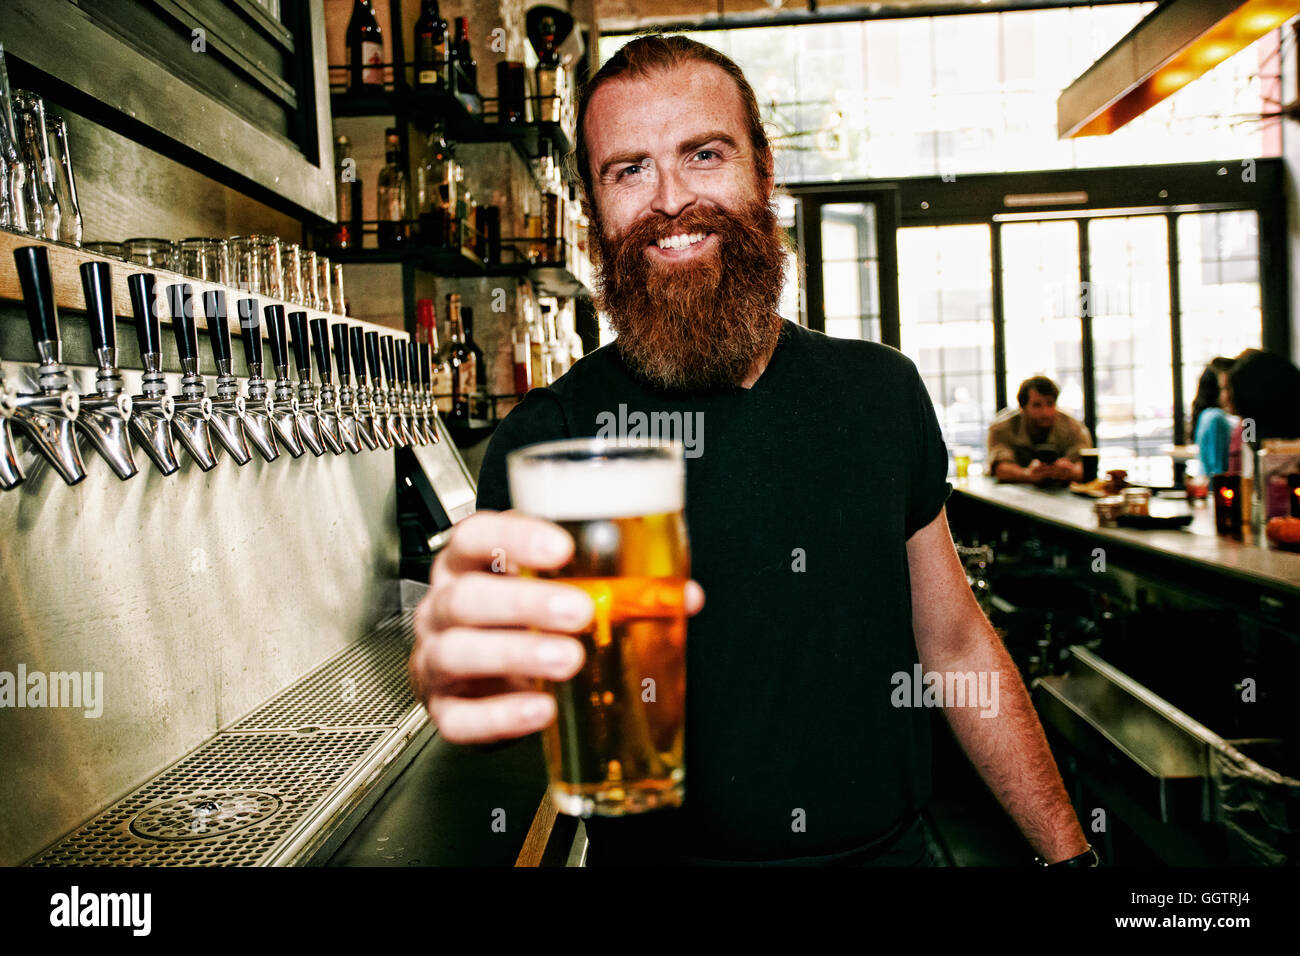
(673, 193)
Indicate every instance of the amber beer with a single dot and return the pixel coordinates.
(616, 746)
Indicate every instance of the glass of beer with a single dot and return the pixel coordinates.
(616, 745)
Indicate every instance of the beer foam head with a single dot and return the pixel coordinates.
(587, 479)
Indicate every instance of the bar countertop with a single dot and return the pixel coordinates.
(1197, 544)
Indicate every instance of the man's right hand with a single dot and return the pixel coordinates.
(484, 635)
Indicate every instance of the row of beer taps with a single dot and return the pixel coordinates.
(398, 410)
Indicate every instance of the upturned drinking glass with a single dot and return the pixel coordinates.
(340, 304)
(291, 268)
(155, 253)
(324, 284)
(310, 279)
(205, 259)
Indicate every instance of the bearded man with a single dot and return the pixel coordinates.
(816, 516)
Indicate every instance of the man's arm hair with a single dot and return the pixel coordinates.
(1009, 749)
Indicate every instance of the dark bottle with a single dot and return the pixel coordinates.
(460, 360)
(365, 49)
(347, 193)
(394, 196)
(436, 190)
(463, 56)
(431, 47)
(480, 370)
(548, 74)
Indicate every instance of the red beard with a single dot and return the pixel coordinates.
(700, 323)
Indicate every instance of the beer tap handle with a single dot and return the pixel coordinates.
(413, 356)
(340, 333)
(38, 295)
(320, 346)
(144, 306)
(279, 336)
(187, 333)
(214, 306)
(372, 356)
(250, 328)
(424, 365)
(386, 352)
(298, 339)
(400, 348)
(358, 336)
(97, 284)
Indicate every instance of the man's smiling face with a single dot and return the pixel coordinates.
(690, 258)
(672, 143)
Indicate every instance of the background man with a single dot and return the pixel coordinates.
(818, 536)
(1037, 442)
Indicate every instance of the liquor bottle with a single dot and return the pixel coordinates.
(540, 360)
(365, 49)
(461, 209)
(461, 361)
(556, 353)
(549, 73)
(436, 190)
(427, 331)
(480, 368)
(552, 214)
(394, 195)
(347, 197)
(463, 57)
(431, 47)
(522, 354)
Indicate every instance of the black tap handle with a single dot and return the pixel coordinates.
(386, 351)
(38, 292)
(413, 356)
(97, 284)
(424, 365)
(187, 333)
(144, 306)
(372, 356)
(400, 348)
(279, 339)
(250, 330)
(320, 345)
(298, 339)
(358, 335)
(340, 333)
(214, 307)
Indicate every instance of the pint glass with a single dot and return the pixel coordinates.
(616, 746)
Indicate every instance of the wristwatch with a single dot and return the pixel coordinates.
(1088, 857)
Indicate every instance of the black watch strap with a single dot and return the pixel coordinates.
(1087, 858)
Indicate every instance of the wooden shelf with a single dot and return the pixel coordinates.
(65, 270)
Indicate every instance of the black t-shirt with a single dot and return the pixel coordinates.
(800, 498)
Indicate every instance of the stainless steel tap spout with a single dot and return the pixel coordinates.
(11, 472)
(105, 415)
(284, 409)
(259, 426)
(151, 411)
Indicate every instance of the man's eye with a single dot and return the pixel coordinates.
(707, 154)
(628, 169)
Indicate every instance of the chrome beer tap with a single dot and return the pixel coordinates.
(193, 410)
(349, 426)
(378, 404)
(427, 404)
(258, 426)
(284, 410)
(363, 408)
(11, 472)
(309, 425)
(411, 393)
(47, 417)
(328, 403)
(404, 395)
(228, 410)
(152, 409)
(105, 416)
(396, 420)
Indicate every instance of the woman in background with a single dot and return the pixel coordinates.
(1264, 389)
(1211, 426)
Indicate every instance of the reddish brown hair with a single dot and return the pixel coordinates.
(642, 57)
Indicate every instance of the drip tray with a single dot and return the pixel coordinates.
(283, 786)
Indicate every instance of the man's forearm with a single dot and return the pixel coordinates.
(1010, 750)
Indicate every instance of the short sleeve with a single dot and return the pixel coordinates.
(539, 417)
(928, 486)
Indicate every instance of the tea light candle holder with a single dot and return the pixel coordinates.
(1227, 504)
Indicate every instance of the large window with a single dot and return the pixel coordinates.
(946, 326)
(971, 93)
(851, 271)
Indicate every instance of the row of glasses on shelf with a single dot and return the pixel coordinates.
(396, 408)
(265, 265)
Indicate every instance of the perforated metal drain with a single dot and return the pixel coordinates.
(201, 816)
(230, 802)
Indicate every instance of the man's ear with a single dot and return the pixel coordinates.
(766, 173)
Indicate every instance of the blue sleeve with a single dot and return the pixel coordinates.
(1213, 434)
